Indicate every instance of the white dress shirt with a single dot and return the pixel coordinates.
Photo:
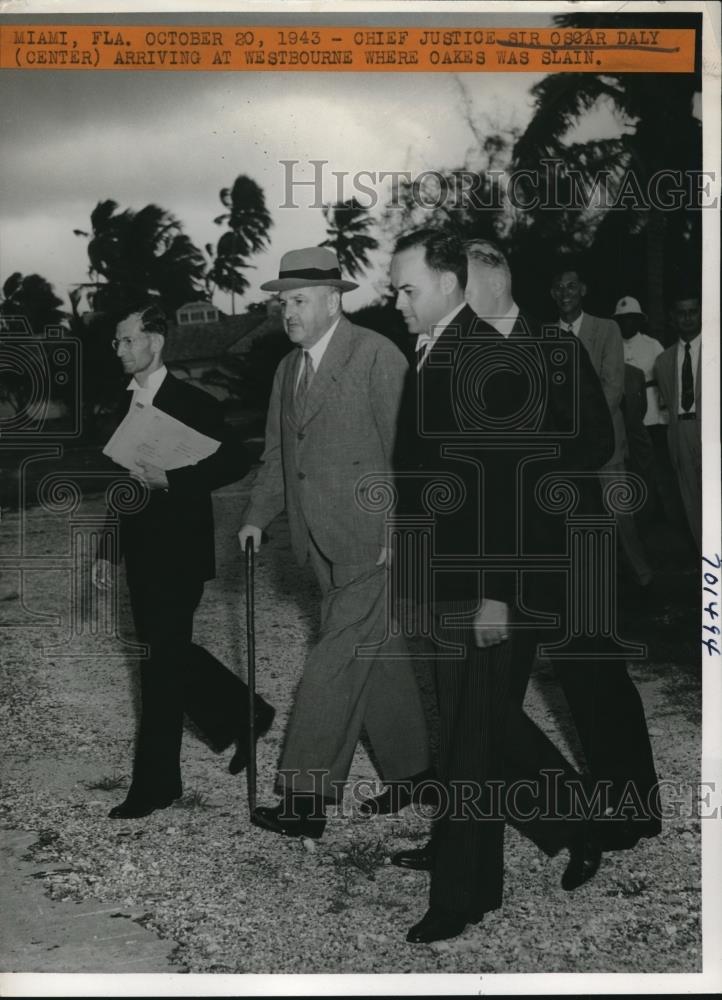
(317, 351)
(642, 351)
(694, 349)
(573, 327)
(426, 341)
(145, 394)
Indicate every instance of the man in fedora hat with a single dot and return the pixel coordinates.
(331, 423)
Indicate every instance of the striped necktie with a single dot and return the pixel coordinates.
(305, 380)
(687, 399)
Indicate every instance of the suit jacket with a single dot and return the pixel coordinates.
(667, 375)
(603, 341)
(313, 460)
(173, 534)
(482, 394)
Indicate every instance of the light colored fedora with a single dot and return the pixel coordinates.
(310, 266)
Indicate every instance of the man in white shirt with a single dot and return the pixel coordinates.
(167, 544)
(653, 462)
(680, 386)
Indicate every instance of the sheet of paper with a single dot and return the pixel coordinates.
(149, 435)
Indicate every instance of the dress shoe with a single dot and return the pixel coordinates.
(399, 794)
(138, 808)
(585, 855)
(438, 925)
(263, 720)
(419, 859)
(303, 819)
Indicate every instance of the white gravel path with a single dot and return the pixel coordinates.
(230, 898)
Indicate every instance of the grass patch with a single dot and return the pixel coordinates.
(108, 783)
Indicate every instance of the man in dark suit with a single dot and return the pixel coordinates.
(469, 415)
(167, 543)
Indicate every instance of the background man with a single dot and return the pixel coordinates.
(680, 386)
(603, 341)
(641, 351)
(168, 547)
(332, 421)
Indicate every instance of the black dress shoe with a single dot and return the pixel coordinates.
(264, 720)
(281, 819)
(419, 859)
(138, 808)
(585, 855)
(438, 925)
(399, 794)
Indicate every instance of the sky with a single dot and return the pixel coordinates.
(71, 139)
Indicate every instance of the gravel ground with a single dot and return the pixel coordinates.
(235, 899)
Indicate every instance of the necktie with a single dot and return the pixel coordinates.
(305, 380)
(422, 342)
(687, 380)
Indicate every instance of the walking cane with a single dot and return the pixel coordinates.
(251, 644)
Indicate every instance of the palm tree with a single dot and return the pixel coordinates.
(136, 255)
(248, 223)
(661, 133)
(348, 223)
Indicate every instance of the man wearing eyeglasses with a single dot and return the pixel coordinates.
(167, 544)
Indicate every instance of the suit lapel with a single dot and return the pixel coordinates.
(333, 361)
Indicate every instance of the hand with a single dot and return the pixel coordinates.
(250, 531)
(385, 558)
(491, 623)
(102, 574)
(153, 476)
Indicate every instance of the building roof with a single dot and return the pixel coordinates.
(207, 341)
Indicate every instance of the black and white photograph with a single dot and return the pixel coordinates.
(360, 557)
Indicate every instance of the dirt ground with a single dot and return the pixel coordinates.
(226, 897)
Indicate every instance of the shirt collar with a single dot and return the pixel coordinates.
(575, 326)
(505, 324)
(319, 348)
(693, 344)
(426, 340)
(151, 387)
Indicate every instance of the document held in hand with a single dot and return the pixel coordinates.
(147, 434)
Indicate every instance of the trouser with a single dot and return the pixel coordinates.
(341, 692)
(496, 762)
(489, 742)
(627, 534)
(686, 458)
(665, 480)
(177, 677)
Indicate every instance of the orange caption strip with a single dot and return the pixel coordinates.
(360, 49)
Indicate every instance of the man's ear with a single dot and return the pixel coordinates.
(448, 283)
(158, 341)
